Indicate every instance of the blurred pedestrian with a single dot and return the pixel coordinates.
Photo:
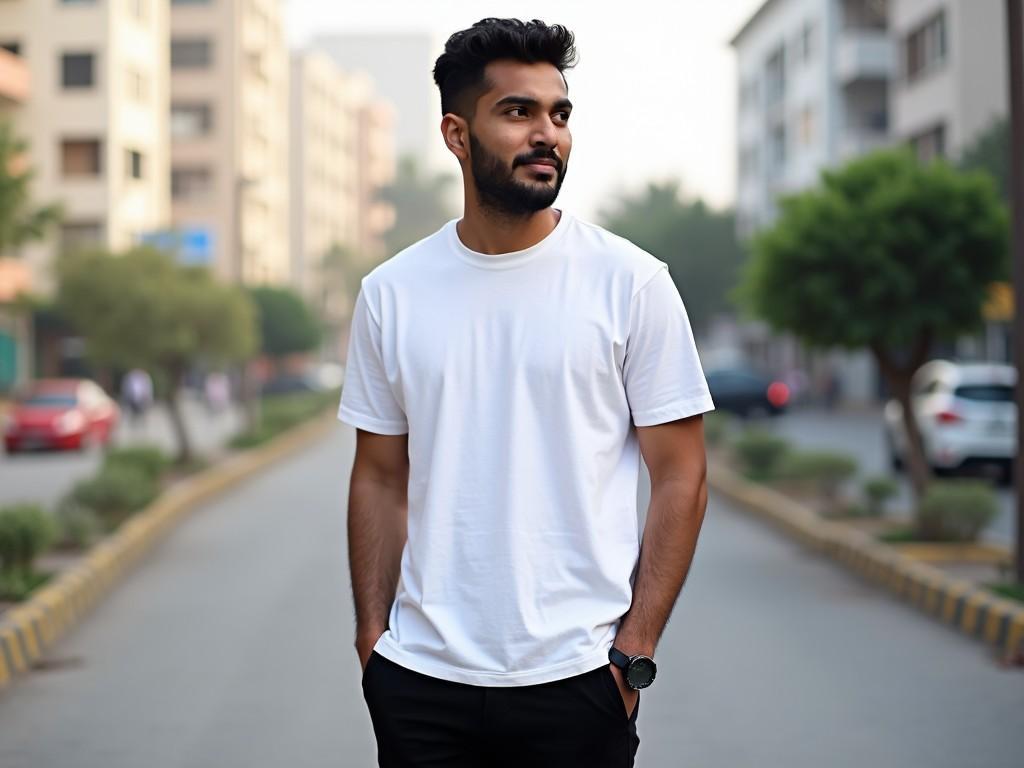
(137, 393)
(505, 375)
(217, 389)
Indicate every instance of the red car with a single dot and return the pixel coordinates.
(62, 414)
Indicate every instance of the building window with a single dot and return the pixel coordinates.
(805, 126)
(925, 48)
(139, 9)
(77, 70)
(190, 183)
(11, 46)
(931, 144)
(749, 160)
(137, 85)
(190, 120)
(775, 77)
(777, 148)
(75, 235)
(191, 53)
(133, 164)
(805, 43)
(80, 157)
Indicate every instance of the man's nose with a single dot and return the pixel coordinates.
(544, 133)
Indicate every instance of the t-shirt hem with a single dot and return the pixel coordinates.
(550, 674)
(677, 410)
(370, 424)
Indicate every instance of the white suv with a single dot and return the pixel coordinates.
(966, 414)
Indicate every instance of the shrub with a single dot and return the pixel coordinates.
(956, 510)
(760, 453)
(716, 429)
(280, 412)
(25, 531)
(821, 472)
(116, 492)
(148, 458)
(877, 492)
(78, 525)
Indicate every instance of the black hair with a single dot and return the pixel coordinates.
(459, 71)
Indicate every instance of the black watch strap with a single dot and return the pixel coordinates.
(618, 658)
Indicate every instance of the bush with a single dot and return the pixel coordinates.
(281, 412)
(78, 525)
(822, 473)
(956, 510)
(877, 492)
(148, 458)
(760, 454)
(116, 492)
(25, 531)
(716, 428)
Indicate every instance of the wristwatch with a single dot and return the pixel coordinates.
(638, 671)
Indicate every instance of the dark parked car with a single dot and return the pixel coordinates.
(62, 414)
(746, 393)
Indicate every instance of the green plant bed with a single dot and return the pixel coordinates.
(1011, 591)
(16, 585)
(279, 413)
(900, 536)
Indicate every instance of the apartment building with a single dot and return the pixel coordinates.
(951, 81)
(814, 79)
(86, 83)
(229, 136)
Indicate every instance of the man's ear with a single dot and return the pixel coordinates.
(455, 131)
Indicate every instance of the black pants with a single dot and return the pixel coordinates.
(423, 721)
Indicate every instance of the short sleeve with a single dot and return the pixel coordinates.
(367, 401)
(662, 373)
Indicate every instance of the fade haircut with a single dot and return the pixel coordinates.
(459, 71)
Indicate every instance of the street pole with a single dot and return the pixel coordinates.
(1014, 21)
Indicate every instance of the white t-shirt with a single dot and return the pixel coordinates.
(519, 378)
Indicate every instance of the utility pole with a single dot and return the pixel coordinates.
(1015, 50)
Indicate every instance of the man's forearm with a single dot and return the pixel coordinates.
(377, 516)
(674, 519)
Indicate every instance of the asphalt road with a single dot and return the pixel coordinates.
(861, 435)
(231, 647)
(44, 477)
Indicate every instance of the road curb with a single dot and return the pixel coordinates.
(957, 603)
(32, 628)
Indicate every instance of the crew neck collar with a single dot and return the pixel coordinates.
(505, 260)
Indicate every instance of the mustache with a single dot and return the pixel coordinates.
(539, 154)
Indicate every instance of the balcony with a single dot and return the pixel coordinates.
(865, 54)
(859, 141)
(14, 78)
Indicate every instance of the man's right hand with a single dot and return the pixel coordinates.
(365, 641)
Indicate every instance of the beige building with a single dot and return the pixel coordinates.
(229, 135)
(952, 73)
(86, 83)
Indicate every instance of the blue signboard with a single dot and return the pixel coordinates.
(193, 246)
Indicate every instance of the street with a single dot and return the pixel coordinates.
(861, 435)
(44, 477)
(231, 646)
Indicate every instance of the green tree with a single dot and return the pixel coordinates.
(287, 324)
(990, 152)
(143, 309)
(20, 220)
(885, 254)
(420, 202)
(698, 244)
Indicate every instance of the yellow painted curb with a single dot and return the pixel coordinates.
(959, 604)
(29, 630)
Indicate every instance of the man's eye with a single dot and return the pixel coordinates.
(562, 116)
(518, 111)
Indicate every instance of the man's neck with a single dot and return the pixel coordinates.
(484, 232)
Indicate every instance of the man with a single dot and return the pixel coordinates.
(504, 376)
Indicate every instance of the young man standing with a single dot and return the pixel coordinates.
(505, 375)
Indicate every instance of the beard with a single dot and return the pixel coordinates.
(501, 192)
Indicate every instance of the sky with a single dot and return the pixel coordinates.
(653, 94)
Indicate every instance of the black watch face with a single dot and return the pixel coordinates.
(640, 673)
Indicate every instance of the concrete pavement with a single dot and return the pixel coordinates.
(232, 647)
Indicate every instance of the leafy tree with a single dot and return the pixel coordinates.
(699, 245)
(143, 309)
(990, 152)
(20, 221)
(287, 324)
(420, 203)
(884, 254)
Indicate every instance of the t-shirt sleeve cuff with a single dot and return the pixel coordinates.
(370, 424)
(680, 409)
